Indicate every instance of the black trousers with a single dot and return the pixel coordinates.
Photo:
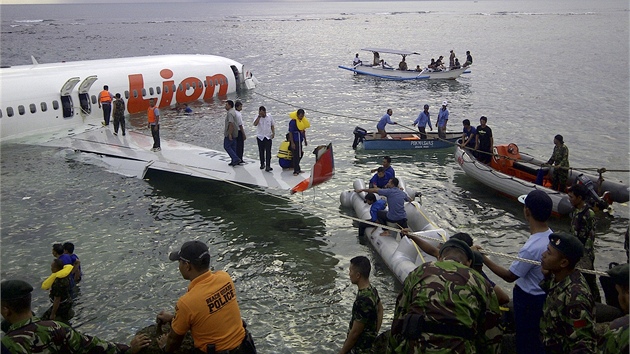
(240, 145)
(155, 133)
(107, 111)
(264, 152)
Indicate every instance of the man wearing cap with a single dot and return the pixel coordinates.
(442, 119)
(29, 334)
(422, 121)
(560, 160)
(209, 310)
(615, 339)
(567, 322)
(528, 297)
(445, 306)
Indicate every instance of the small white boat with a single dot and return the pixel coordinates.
(400, 254)
(514, 173)
(390, 71)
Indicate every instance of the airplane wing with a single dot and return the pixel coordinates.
(131, 156)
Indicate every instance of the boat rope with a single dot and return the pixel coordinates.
(508, 256)
(599, 170)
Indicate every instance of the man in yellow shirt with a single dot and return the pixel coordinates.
(209, 309)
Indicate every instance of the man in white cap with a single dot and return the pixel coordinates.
(209, 309)
(442, 119)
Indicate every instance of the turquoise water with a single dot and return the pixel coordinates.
(541, 68)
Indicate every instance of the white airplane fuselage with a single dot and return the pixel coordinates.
(39, 98)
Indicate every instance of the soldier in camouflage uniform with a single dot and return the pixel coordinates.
(367, 310)
(28, 334)
(560, 160)
(583, 227)
(567, 322)
(615, 340)
(446, 307)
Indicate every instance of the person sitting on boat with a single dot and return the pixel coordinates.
(469, 135)
(422, 121)
(469, 59)
(418, 68)
(560, 160)
(376, 205)
(384, 65)
(377, 59)
(439, 64)
(432, 64)
(380, 178)
(386, 119)
(402, 65)
(356, 61)
(285, 158)
(387, 165)
(396, 199)
(457, 65)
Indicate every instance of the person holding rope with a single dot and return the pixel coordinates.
(396, 198)
(385, 119)
(422, 121)
(567, 324)
(469, 135)
(484, 143)
(528, 296)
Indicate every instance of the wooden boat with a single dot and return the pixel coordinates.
(403, 140)
(385, 71)
(515, 173)
(400, 254)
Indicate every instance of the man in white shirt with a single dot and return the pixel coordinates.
(265, 131)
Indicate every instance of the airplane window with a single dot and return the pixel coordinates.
(174, 88)
(187, 86)
(194, 85)
(55, 105)
(151, 91)
(165, 89)
(126, 94)
(205, 83)
(0, 113)
(33, 107)
(21, 110)
(181, 88)
(10, 111)
(44, 107)
(144, 92)
(135, 93)
(158, 90)
(93, 99)
(200, 84)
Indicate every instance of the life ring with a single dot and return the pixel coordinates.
(512, 149)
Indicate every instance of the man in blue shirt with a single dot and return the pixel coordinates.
(528, 296)
(387, 165)
(396, 199)
(386, 119)
(442, 119)
(469, 135)
(380, 179)
(376, 205)
(422, 121)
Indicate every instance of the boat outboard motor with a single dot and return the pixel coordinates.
(359, 136)
(594, 199)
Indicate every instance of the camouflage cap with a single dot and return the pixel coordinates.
(452, 242)
(619, 274)
(568, 245)
(15, 289)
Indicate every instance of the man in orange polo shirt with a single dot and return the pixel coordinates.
(209, 310)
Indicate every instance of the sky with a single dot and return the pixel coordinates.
(31, 2)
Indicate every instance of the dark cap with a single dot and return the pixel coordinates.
(559, 138)
(15, 289)
(568, 245)
(452, 242)
(538, 203)
(477, 259)
(191, 251)
(619, 274)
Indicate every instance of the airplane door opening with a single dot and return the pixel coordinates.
(236, 76)
(84, 96)
(67, 108)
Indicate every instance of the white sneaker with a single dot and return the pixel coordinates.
(115, 133)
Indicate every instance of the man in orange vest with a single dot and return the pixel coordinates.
(153, 114)
(105, 100)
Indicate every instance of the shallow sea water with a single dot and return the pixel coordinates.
(537, 73)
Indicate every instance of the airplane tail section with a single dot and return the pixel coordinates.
(322, 171)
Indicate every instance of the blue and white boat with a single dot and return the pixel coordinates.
(381, 69)
(404, 140)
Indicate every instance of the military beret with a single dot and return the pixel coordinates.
(619, 274)
(15, 289)
(568, 245)
(452, 242)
